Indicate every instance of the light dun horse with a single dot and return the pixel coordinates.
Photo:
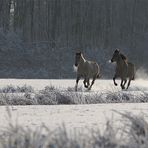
(124, 69)
(86, 69)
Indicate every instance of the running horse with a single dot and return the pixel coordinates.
(86, 69)
(124, 69)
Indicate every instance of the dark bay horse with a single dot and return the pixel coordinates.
(123, 70)
(86, 69)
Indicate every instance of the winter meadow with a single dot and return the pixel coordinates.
(73, 74)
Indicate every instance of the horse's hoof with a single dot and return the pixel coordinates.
(116, 84)
(86, 86)
(123, 87)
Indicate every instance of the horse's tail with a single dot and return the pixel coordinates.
(134, 72)
(99, 72)
(133, 78)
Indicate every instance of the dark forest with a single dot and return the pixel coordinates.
(38, 38)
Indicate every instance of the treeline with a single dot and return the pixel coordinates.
(51, 30)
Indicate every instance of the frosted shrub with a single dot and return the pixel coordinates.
(138, 130)
(18, 89)
(51, 95)
(25, 89)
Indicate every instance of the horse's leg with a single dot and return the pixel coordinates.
(114, 78)
(77, 81)
(129, 82)
(94, 78)
(122, 86)
(125, 82)
(85, 81)
(121, 83)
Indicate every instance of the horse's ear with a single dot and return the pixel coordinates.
(79, 53)
(117, 50)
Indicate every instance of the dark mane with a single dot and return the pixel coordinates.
(123, 56)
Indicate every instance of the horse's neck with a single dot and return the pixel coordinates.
(82, 60)
(120, 61)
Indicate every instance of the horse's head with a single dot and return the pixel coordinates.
(115, 55)
(77, 58)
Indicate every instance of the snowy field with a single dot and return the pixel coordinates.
(73, 116)
(100, 85)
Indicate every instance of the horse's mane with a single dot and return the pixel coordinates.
(123, 56)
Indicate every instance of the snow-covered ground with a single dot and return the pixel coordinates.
(73, 116)
(100, 85)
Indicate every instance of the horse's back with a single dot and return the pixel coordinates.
(92, 68)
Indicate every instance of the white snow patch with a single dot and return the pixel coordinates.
(75, 68)
(109, 61)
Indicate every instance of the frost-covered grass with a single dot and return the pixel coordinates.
(51, 95)
(133, 133)
(18, 89)
(54, 92)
